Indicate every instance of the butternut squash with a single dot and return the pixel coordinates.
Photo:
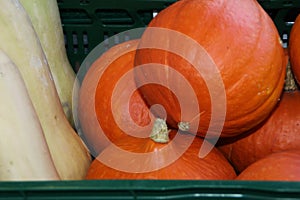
(19, 40)
(24, 154)
(46, 21)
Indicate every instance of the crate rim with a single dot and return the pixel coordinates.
(271, 186)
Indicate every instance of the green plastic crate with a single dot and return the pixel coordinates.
(86, 23)
(149, 189)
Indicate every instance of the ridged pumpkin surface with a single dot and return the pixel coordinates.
(188, 166)
(103, 110)
(280, 132)
(242, 41)
(294, 48)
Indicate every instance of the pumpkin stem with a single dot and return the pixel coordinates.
(290, 83)
(184, 126)
(160, 131)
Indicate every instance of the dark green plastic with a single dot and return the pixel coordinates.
(100, 19)
(283, 13)
(86, 23)
(148, 189)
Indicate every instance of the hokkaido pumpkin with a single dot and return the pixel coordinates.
(106, 108)
(184, 166)
(278, 133)
(238, 51)
(294, 48)
(281, 166)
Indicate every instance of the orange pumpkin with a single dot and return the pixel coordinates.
(107, 106)
(278, 133)
(230, 54)
(156, 163)
(294, 48)
(281, 166)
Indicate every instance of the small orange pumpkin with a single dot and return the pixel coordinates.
(189, 165)
(281, 166)
(243, 43)
(278, 133)
(102, 107)
(294, 49)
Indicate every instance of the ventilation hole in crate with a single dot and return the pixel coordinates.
(84, 2)
(85, 42)
(105, 40)
(126, 37)
(116, 39)
(285, 39)
(114, 17)
(105, 35)
(121, 37)
(60, 2)
(75, 16)
(65, 40)
(75, 42)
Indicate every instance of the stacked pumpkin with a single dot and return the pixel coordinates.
(217, 70)
(271, 152)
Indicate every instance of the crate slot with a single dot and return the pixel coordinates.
(65, 40)
(116, 39)
(85, 42)
(114, 17)
(285, 39)
(106, 41)
(126, 37)
(75, 16)
(105, 35)
(75, 42)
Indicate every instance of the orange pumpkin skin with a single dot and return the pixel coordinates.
(294, 49)
(278, 133)
(95, 98)
(281, 166)
(189, 166)
(244, 44)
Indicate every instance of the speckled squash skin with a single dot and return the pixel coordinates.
(244, 44)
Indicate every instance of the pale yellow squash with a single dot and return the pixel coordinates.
(19, 40)
(24, 153)
(45, 18)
